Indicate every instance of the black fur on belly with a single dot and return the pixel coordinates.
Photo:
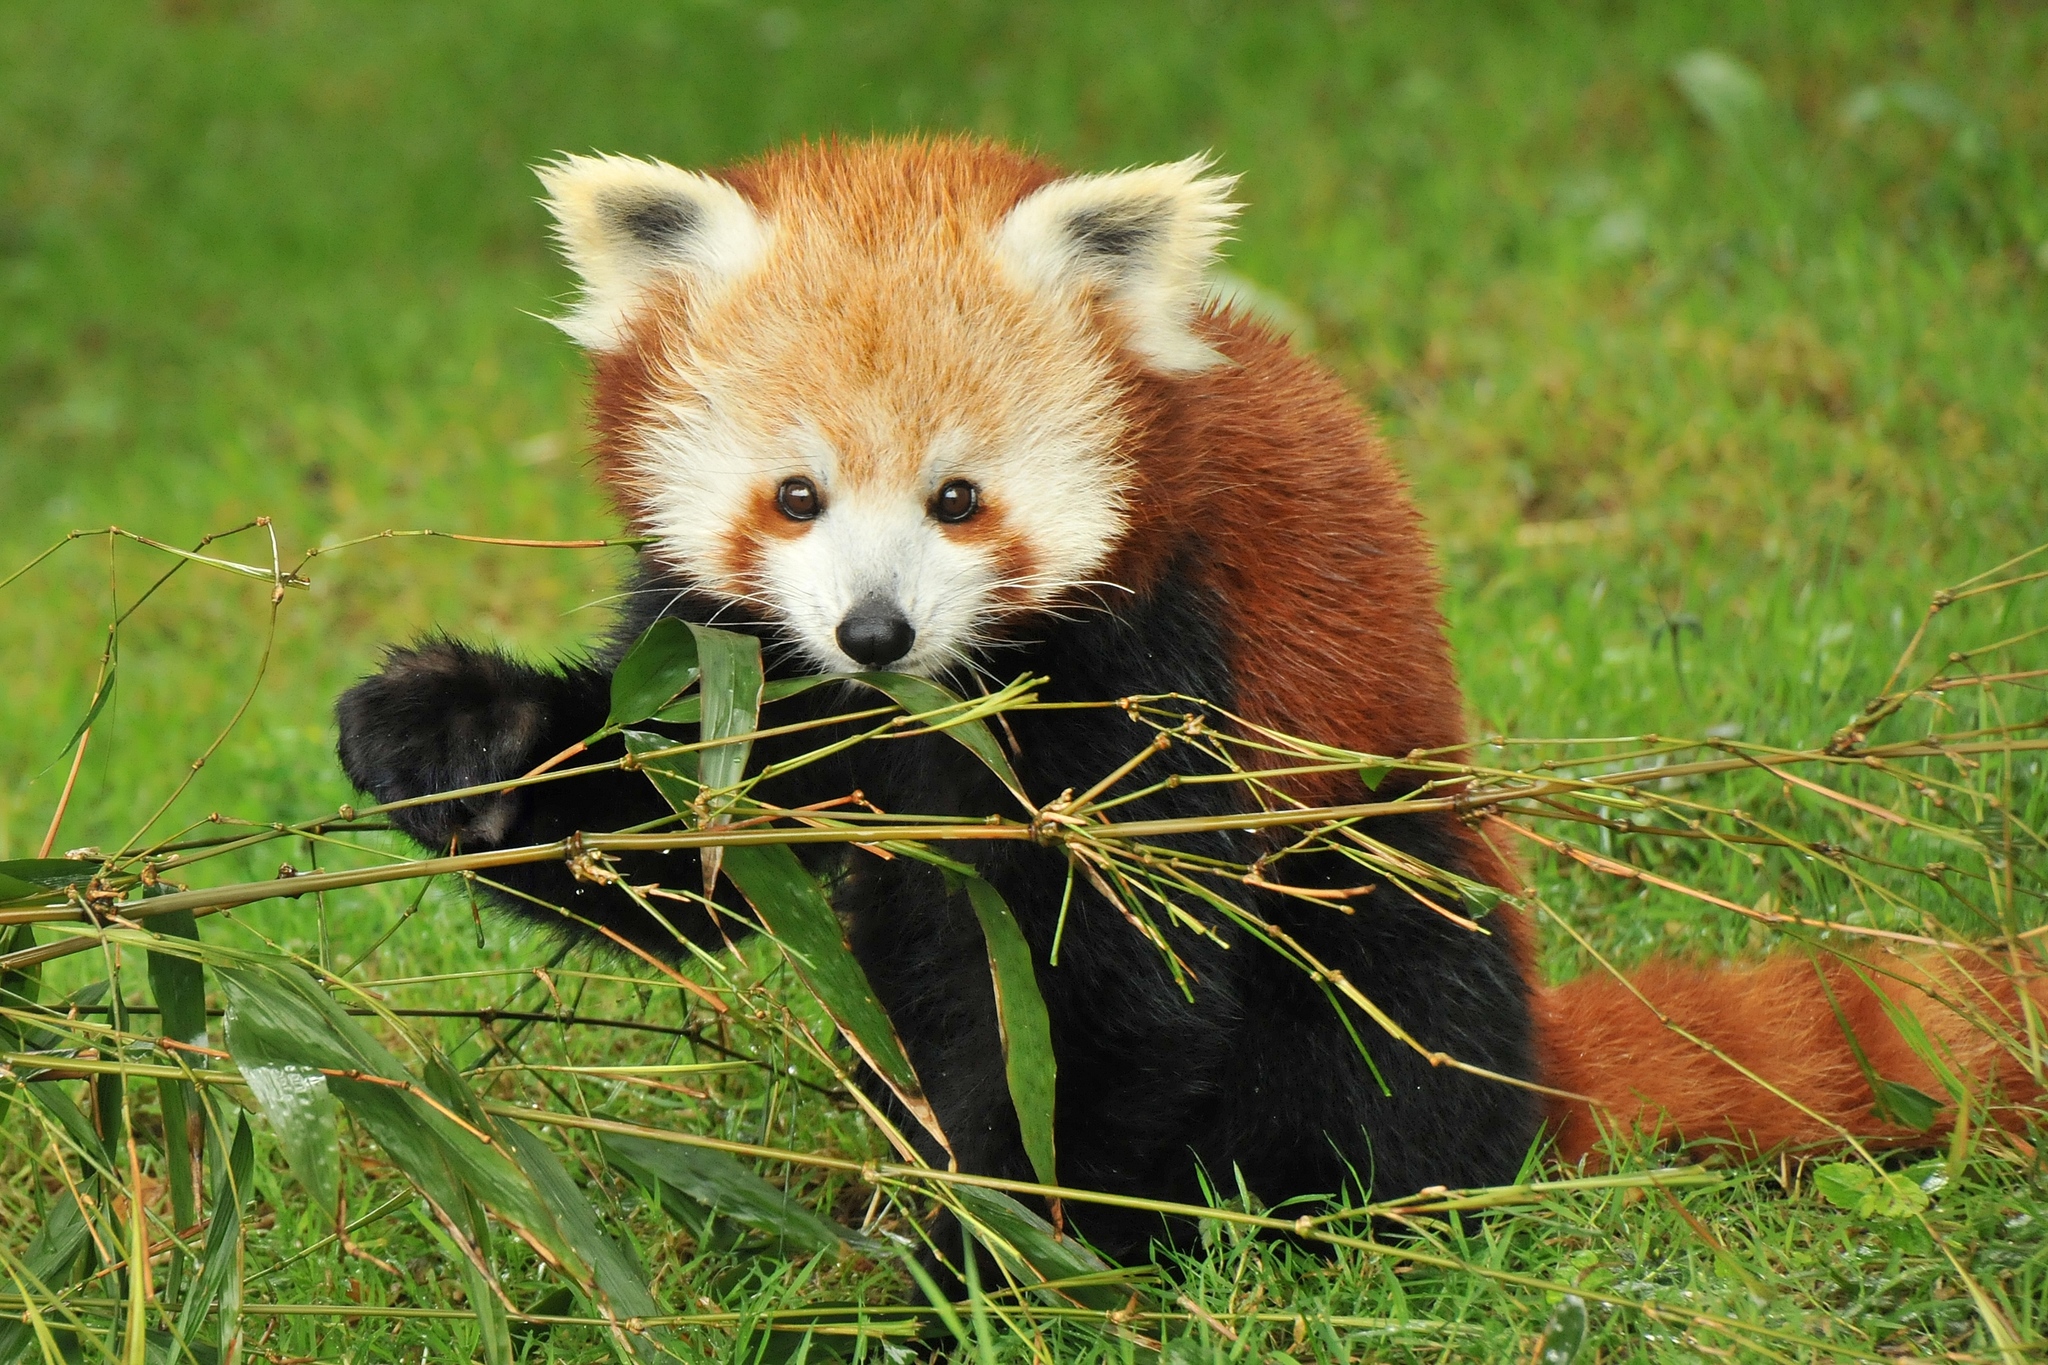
(1257, 1077)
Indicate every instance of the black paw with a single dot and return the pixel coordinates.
(442, 716)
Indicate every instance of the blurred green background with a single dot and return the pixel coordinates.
(1706, 368)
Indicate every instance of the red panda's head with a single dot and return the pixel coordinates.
(877, 392)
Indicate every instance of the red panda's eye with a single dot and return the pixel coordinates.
(798, 499)
(956, 501)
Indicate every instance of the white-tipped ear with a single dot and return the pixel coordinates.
(1142, 237)
(626, 224)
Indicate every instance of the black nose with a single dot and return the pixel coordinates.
(874, 633)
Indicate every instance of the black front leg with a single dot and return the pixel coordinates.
(442, 716)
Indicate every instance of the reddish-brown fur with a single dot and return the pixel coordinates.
(1321, 563)
(1792, 1035)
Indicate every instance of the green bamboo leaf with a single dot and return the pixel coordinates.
(618, 1279)
(49, 1097)
(278, 1018)
(18, 990)
(689, 710)
(1032, 1252)
(46, 1267)
(673, 775)
(793, 909)
(731, 701)
(19, 986)
(1026, 1031)
(177, 981)
(92, 712)
(36, 878)
(275, 1020)
(717, 1185)
(178, 984)
(220, 1263)
(433, 1130)
(303, 1113)
(731, 706)
(919, 696)
(661, 665)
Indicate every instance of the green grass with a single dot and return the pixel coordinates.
(1700, 420)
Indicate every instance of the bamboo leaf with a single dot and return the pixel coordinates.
(1032, 1252)
(278, 1017)
(18, 990)
(1026, 1031)
(718, 1185)
(674, 775)
(480, 1281)
(731, 702)
(434, 1131)
(92, 712)
(49, 1097)
(178, 984)
(46, 1267)
(178, 981)
(303, 1113)
(220, 1262)
(36, 878)
(919, 696)
(618, 1280)
(659, 667)
(793, 909)
(689, 710)
(731, 706)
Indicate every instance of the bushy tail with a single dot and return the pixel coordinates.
(1821, 1031)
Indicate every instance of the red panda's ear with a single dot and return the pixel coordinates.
(1143, 238)
(626, 225)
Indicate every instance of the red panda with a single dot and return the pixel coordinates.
(935, 406)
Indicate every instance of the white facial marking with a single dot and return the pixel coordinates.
(979, 357)
(875, 537)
